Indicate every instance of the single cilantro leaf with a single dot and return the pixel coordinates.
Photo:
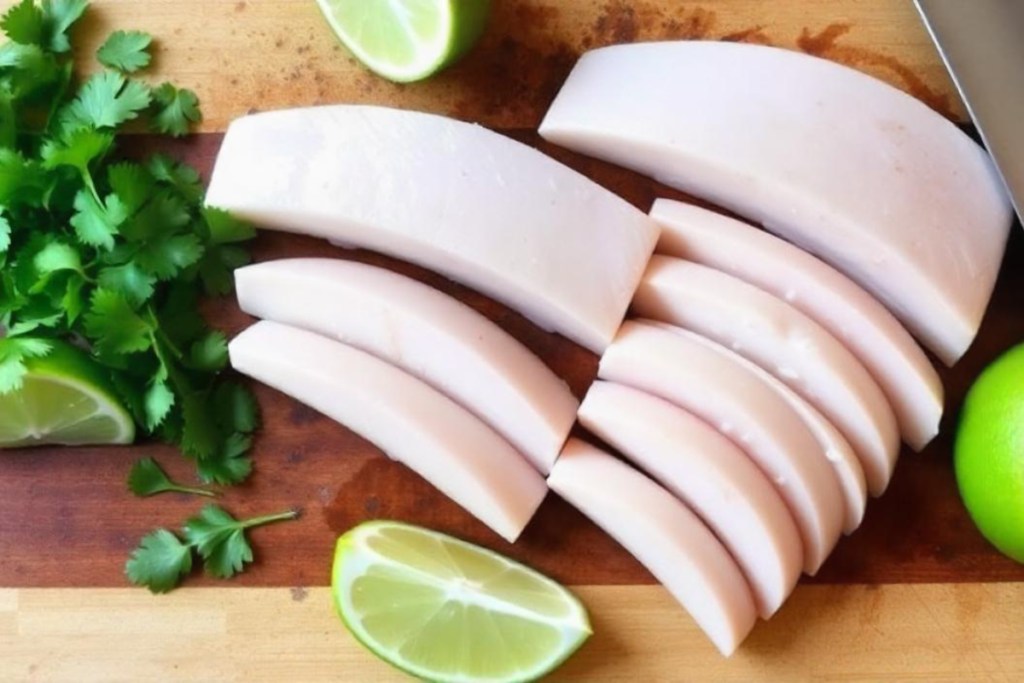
(96, 224)
(54, 258)
(13, 354)
(125, 51)
(58, 17)
(166, 256)
(5, 232)
(159, 562)
(114, 326)
(225, 228)
(181, 177)
(217, 268)
(29, 68)
(132, 183)
(229, 465)
(147, 478)
(205, 530)
(23, 23)
(22, 181)
(200, 436)
(236, 407)
(175, 110)
(166, 213)
(179, 315)
(78, 149)
(73, 301)
(106, 101)
(210, 353)
(135, 284)
(158, 401)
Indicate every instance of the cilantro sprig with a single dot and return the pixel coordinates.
(114, 255)
(162, 558)
(147, 478)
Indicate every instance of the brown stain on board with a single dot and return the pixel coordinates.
(825, 44)
(524, 58)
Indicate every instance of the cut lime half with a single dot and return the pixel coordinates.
(407, 40)
(444, 610)
(65, 399)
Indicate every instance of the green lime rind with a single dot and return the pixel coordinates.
(989, 453)
(70, 370)
(351, 549)
(461, 24)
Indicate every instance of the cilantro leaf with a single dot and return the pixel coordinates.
(58, 17)
(158, 401)
(220, 539)
(125, 51)
(236, 407)
(22, 181)
(114, 326)
(217, 267)
(23, 23)
(53, 258)
(166, 213)
(165, 256)
(96, 224)
(129, 280)
(181, 177)
(210, 353)
(200, 436)
(176, 110)
(106, 101)
(159, 562)
(73, 301)
(132, 183)
(13, 354)
(225, 228)
(147, 478)
(230, 464)
(5, 232)
(78, 149)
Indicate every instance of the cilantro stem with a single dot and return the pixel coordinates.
(87, 179)
(195, 491)
(269, 519)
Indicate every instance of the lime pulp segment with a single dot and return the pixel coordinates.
(445, 610)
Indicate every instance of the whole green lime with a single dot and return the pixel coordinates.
(989, 453)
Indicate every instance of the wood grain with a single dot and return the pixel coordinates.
(241, 55)
(66, 519)
(934, 633)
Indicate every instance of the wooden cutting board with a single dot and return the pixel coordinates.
(916, 593)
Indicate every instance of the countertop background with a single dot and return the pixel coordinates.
(915, 594)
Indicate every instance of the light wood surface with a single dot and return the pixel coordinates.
(930, 632)
(240, 55)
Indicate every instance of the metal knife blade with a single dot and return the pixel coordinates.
(982, 44)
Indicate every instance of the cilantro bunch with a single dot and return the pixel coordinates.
(112, 255)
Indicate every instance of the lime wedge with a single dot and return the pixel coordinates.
(442, 609)
(65, 399)
(407, 40)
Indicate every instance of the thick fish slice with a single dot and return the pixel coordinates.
(834, 447)
(784, 341)
(741, 406)
(404, 417)
(459, 199)
(663, 535)
(426, 333)
(842, 307)
(711, 475)
(844, 165)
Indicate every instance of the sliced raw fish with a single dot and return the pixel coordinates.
(454, 197)
(842, 164)
(742, 407)
(664, 535)
(426, 333)
(407, 419)
(711, 475)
